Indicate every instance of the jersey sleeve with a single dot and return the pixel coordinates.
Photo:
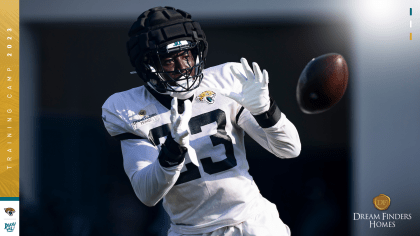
(272, 130)
(150, 177)
(112, 116)
(150, 180)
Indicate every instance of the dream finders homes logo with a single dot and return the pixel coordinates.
(376, 221)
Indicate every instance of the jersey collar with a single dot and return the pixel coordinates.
(165, 100)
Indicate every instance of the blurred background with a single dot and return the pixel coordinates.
(73, 57)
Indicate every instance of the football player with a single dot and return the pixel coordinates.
(182, 133)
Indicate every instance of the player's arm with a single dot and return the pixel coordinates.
(152, 172)
(272, 130)
(261, 118)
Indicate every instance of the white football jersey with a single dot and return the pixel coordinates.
(218, 193)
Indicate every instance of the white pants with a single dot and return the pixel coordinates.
(267, 223)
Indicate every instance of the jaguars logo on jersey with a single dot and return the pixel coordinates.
(207, 96)
(9, 211)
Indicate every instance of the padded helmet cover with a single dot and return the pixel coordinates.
(158, 27)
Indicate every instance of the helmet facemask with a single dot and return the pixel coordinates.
(179, 80)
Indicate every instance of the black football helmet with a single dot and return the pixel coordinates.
(161, 31)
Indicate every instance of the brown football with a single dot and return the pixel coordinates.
(322, 83)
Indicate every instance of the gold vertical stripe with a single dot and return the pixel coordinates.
(411, 36)
(9, 98)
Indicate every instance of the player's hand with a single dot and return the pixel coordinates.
(179, 122)
(179, 129)
(254, 96)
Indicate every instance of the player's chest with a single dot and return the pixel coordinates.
(210, 114)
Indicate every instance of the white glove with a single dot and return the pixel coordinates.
(180, 130)
(254, 96)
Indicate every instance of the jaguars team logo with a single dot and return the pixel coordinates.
(207, 96)
(10, 211)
